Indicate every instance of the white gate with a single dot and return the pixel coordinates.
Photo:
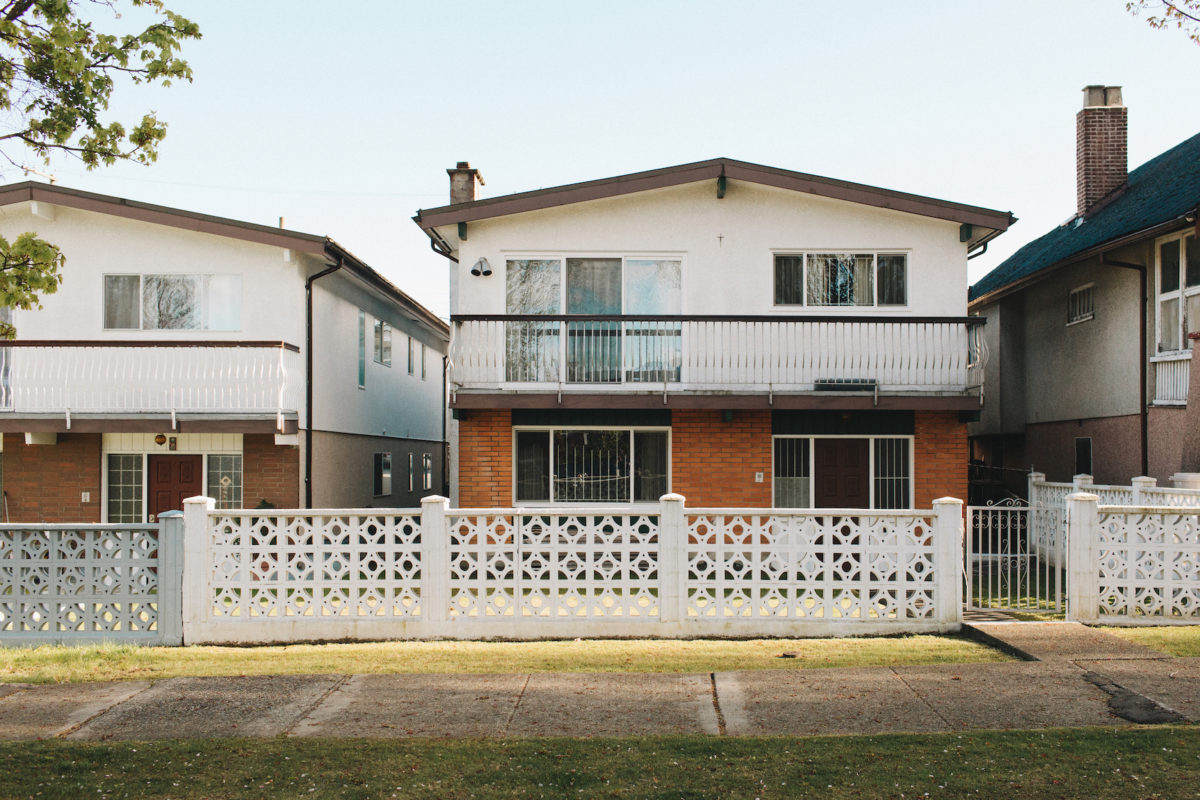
(1015, 558)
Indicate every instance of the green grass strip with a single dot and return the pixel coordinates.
(1181, 641)
(1096, 763)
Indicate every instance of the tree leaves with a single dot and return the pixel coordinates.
(29, 268)
(1181, 14)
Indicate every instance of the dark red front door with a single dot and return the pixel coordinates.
(842, 473)
(173, 478)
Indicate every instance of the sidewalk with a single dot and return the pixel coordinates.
(1082, 677)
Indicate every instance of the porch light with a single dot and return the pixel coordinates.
(481, 267)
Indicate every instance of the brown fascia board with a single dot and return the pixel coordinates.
(703, 170)
(1096, 250)
(218, 226)
(161, 215)
(359, 268)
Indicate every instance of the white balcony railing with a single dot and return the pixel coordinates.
(1171, 375)
(40, 377)
(785, 354)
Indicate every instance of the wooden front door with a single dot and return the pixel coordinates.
(172, 479)
(843, 473)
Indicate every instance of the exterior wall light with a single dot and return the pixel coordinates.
(482, 267)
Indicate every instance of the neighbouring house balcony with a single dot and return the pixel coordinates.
(131, 379)
(815, 356)
(1172, 372)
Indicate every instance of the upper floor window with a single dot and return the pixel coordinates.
(1081, 304)
(423, 371)
(841, 279)
(362, 349)
(410, 355)
(382, 479)
(1178, 290)
(606, 286)
(383, 343)
(173, 302)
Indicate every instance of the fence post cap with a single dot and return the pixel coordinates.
(947, 501)
(671, 498)
(434, 499)
(1086, 497)
(207, 501)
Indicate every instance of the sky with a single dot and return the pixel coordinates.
(343, 118)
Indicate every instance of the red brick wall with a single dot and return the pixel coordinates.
(940, 457)
(270, 472)
(713, 463)
(1101, 162)
(485, 459)
(44, 483)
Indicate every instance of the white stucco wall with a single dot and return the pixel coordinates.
(726, 246)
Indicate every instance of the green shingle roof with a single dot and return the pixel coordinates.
(1163, 189)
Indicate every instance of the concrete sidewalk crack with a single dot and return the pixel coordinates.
(716, 701)
(303, 715)
(64, 734)
(516, 705)
(922, 698)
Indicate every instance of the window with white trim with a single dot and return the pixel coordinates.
(173, 302)
(382, 479)
(362, 349)
(841, 279)
(410, 355)
(426, 471)
(383, 343)
(1081, 304)
(1178, 281)
(591, 465)
(890, 470)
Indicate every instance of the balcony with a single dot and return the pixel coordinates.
(767, 355)
(134, 378)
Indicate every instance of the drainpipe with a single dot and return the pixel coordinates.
(445, 438)
(308, 379)
(1143, 359)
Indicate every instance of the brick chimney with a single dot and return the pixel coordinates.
(1101, 164)
(462, 183)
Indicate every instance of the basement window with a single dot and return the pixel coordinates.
(1081, 304)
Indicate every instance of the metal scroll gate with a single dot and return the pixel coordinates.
(1015, 559)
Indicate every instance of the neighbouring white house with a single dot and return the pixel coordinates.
(1091, 325)
(739, 334)
(188, 354)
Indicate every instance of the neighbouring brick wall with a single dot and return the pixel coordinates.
(44, 483)
(1101, 162)
(940, 456)
(270, 472)
(485, 459)
(713, 463)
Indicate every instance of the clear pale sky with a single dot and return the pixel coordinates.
(343, 117)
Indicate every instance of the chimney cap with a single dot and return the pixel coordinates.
(1099, 96)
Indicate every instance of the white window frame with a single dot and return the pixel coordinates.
(1181, 294)
(630, 429)
(875, 253)
(411, 473)
(381, 334)
(1074, 314)
(411, 355)
(426, 471)
(812, 462)
(623, 256)
(381, 469)
(105, 452)
(203, 312)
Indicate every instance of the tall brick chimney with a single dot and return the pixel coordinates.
(1101, 163)
(462, 183)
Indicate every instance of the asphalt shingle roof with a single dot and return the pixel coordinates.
(1164, 188)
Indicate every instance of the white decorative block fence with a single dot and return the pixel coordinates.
(1132, 564)
(86, 583)
(533, 573)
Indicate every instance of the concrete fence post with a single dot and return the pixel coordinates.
(948, 559)
(1140, 485)
(435, 559)
(1081, 482)
(170, 577)
(197, 606)
(672, 559)
(1083, 567)
(1036, 479)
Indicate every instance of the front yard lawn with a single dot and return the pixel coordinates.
(54, 664)
(1181, 641)
(1097, 763)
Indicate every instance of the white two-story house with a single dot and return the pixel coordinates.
(739, 334)
(188, 354)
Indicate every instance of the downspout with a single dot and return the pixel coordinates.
(308, 379)
(1143, 359)
(445, 432)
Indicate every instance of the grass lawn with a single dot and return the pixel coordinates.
(1097, 763)
(54, 664)
(1176, 640)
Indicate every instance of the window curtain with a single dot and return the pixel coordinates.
(841, 279)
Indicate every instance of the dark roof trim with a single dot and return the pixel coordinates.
(714, 168)
(160, 215)
(220, 226)
(1083, 255)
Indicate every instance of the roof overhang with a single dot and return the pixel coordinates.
(988, 222)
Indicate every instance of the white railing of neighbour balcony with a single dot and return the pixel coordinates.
(140, 377)
(1172, 373)
(718, 353)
